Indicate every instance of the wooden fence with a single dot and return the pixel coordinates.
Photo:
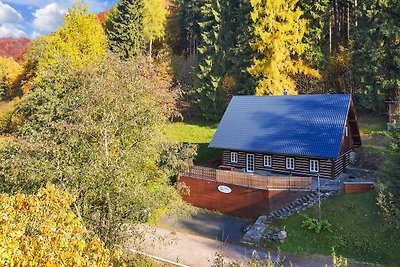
(250, 180)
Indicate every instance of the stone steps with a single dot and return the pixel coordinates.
(256, 231)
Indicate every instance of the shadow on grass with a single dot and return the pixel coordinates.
(205, 154)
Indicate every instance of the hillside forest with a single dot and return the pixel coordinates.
(84, 110)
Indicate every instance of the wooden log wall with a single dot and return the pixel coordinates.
(342, 163)
(302, 164)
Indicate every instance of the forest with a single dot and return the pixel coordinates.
(83, 110)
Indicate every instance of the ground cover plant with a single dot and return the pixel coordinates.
(358, 231)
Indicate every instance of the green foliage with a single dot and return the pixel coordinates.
(6, 112)
(81, 41)
(359, 231)
(389, 190)
(125, 28)
(224, 55)
(199, 133)
(317, 226)
(316, 13)
(279, 31)
(376, 55)
(98, 133)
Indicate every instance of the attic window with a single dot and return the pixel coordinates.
(267, 161)
(234, 157)
(314, 165)
(347, 131)
(289, 163)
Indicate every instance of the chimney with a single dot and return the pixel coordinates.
(285, 91)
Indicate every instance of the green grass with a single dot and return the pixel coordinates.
(359, 232)
(197, 132)
(371, 123)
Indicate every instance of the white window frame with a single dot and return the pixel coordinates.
(290, 163)
(314, 165)
(234, 157)
(248, 156)
(267, 161)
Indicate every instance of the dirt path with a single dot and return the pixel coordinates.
(194, 250)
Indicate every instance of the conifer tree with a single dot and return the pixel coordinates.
(376, 55)
(316, 13)
(279, 31)
(125, 28)
(211, 97)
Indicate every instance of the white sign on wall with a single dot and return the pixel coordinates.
(224, 189)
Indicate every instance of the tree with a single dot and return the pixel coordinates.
(389, 190)
(376, 55)
(99, 133)
(154, 21)
(211, 96)
(41, 229)
(317, 15)
(10, 76)
(125, 28)
(279, 31)
(81, 40)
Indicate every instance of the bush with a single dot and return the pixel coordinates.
(6, 112)
(317, 226)
(41, 230)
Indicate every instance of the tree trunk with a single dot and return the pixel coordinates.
(336, 30)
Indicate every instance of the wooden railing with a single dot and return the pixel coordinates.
(251, 180)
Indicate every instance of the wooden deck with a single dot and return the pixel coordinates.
(249, 180)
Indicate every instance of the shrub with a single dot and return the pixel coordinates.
(6, 112)
(316, 225)
(41, 230)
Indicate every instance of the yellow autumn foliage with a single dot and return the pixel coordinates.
(81, 40)
(41, 230)
(279, 31)
(10, 72)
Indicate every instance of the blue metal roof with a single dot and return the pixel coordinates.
(305, 125)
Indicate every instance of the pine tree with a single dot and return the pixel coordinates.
(279, 31)
(125, 28)
(155, 17)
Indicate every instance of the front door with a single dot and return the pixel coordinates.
(249, 162)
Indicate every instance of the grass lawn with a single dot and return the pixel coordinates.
(197, 132)
(358, 231)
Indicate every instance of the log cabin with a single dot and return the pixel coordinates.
(303, 135)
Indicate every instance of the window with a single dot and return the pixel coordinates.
(314, 165)
(249, 162)
(347, 131)
(290, 163)
(267, 161)
(234, 157)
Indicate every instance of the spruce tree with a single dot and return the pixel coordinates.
(211, 97)
(316, 13)
(125, 28)
(376, 56)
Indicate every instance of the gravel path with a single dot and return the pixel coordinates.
(193, 250)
